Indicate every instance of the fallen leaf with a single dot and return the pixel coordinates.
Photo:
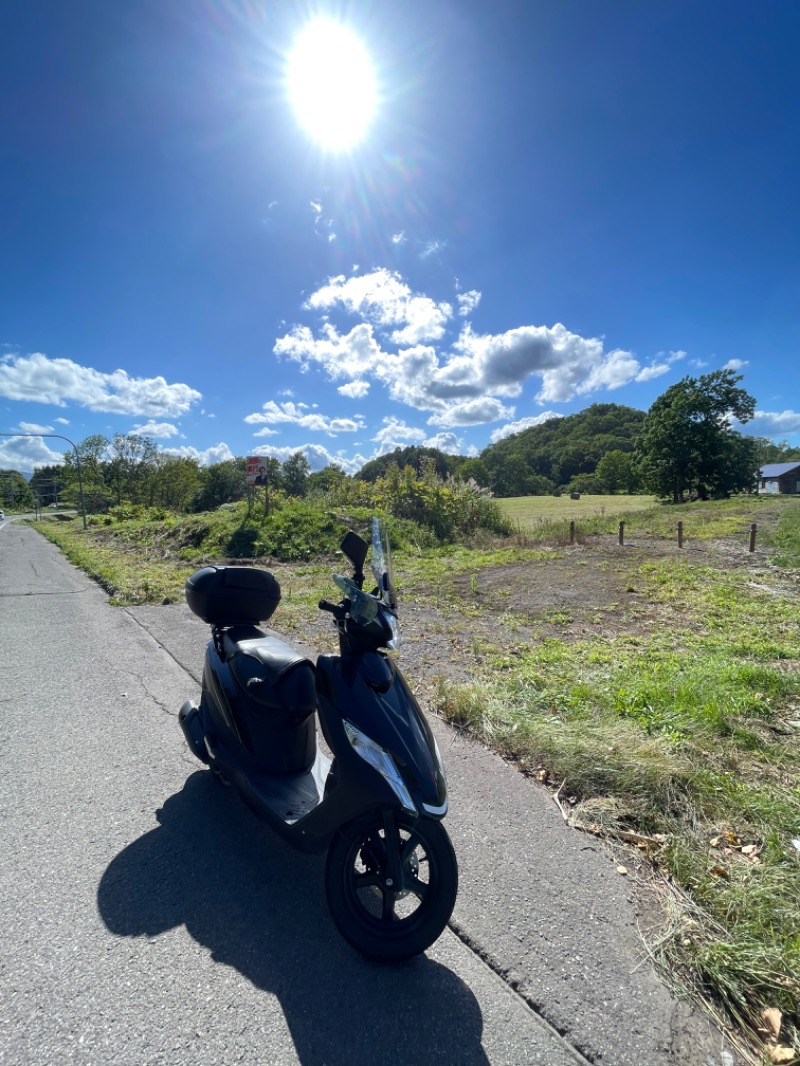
(639, 838)
(750, 849)
(714, 842)
(719, 871)
(772, 1018)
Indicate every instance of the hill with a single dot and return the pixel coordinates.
(542, 457)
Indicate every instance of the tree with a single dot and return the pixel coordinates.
(15, 492)
(131, 467)
(412, 456)
(473, 469)
(93, 452)
(770, 451)
(174, 482)
(615, 473)
(325, 480)
(295, 472)
(220, 483)
(47, 483)
(687, 444)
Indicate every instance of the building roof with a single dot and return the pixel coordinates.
(778, 469)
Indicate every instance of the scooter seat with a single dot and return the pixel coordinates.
(272, 673)
(273, 654)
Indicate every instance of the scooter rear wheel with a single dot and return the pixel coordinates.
(391, 884)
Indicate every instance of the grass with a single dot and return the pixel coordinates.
(528, 511)
(678, 720)
(689, 736)
(545, 519)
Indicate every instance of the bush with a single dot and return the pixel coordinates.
(448, 507)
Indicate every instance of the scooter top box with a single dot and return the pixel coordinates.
(225, 595)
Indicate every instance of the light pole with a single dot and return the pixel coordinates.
(60, 436)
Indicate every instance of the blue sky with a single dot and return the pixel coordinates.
(555, 204)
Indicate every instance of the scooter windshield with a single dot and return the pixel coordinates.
(363, 607)
(382, 562)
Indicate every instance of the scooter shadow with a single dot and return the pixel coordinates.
(259, 906)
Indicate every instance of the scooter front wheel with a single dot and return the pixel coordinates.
(391, 884)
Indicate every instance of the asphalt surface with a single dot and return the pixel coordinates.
(148, 917)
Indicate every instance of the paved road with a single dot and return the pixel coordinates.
(147, 917)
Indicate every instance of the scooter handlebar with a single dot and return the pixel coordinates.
(337, 609)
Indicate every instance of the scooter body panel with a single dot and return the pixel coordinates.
(269, 725)
(368, 690)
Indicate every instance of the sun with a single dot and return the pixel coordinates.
(331, 84)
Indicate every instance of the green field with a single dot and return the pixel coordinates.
(527, 511)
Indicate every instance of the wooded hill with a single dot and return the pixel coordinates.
(562, 452)
(557, 452)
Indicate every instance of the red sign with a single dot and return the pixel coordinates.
(256, 473)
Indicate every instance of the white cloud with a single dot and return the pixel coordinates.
(352, 355)
(289, 412)
(399, 343)
(399, 238)
(395, 430)
(473, 412)
(217, 453)
(566, 362)
(449, 443)
(32, 427)
(318, 457)
(772, 423)
(736, 364)
(156, 429)
(468, 301)
(431, 248)
(522, 423)
(26, 453)
(384, 299)
(60, 381)
(62, 421)
(354, 389)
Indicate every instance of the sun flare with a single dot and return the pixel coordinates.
(331, 84)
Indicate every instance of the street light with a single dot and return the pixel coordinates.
(60, 436)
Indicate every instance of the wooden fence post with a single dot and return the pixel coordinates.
(622, 532)
(572, 532)
(753, 528)
(680, 534)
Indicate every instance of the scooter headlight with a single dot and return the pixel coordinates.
(382, 761)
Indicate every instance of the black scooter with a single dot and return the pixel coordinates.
(391, 875)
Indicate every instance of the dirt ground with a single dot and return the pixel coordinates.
(583, 590)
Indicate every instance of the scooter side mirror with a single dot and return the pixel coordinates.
(355, 548)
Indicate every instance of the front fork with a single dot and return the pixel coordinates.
(394, 866)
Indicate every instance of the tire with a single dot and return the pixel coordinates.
(380, 920)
